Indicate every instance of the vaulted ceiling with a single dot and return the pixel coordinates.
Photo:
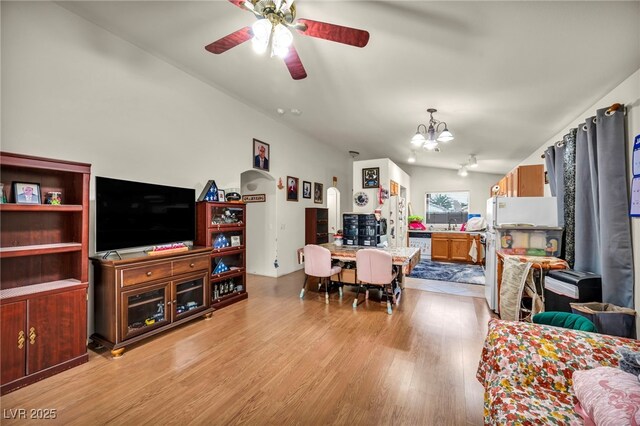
(505, 76)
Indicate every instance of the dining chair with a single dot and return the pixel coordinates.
(375, 268)
(317, 263)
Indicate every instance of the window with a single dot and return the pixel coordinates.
(447, 207)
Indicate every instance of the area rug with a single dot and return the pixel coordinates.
(444, 271)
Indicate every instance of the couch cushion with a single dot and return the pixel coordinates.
(608, 396)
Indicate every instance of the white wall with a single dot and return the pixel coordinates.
(388, 171)
(627, 93)
(74, 91)
(432, 179)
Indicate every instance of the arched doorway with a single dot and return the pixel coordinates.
(261, 219)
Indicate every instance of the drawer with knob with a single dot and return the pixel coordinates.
(190, 265)
(143, 274)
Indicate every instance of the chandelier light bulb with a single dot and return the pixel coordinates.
(462, 171)
(445, 136)
(427, 138)
(282, 39)
(418, 140)
(261, 33)
(412, 158)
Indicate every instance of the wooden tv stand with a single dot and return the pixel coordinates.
(139, 296)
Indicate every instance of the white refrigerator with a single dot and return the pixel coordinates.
(536, 211)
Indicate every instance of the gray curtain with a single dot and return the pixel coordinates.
(550, 164)
(569, 195)
(602, 225)
(559, 149)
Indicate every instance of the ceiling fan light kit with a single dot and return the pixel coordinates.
(425, 136)
(273, 29)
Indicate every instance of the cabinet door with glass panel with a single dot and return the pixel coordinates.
(144, 309)
(189, 296)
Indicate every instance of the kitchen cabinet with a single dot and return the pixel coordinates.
(523, 181)
(453, 246)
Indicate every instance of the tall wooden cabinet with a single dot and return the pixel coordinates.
(221, 226)
(316, 225)
(44, 270)
(523, 181)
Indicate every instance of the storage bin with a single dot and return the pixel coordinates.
(609, 318)
(531, 240)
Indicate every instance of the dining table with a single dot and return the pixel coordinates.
(405, 258)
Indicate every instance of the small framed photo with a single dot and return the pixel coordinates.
(221, 195)
(27, 193)
(371, 177)
(306, 189)
(261, 155)
(318, 193)
(292, 188)
(235, 240)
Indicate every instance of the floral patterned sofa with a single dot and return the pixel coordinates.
(526, 370)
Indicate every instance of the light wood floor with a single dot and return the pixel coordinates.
(275, 359)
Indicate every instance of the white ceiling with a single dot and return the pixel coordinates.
(505, 76)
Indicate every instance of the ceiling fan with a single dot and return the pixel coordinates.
(272, 30)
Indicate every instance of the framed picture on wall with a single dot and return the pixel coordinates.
(318, 194)
(261, 155)
(292, 188)
(371, 177)
(306, 189)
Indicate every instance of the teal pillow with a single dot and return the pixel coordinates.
(565, 320)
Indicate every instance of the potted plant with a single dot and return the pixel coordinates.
(415, 223)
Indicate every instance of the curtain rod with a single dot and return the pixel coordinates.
(613, 108)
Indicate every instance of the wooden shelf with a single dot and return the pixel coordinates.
(231, 251)
(186, 290)
(35, 250)
(228, 299)
(37, 288)
(145, 302)
(225, 226)
(226, 275)
(229, 274)
(40, 208)
(37, 292)
(228, 249)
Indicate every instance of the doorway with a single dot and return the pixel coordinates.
(261, 220)
(333, 204)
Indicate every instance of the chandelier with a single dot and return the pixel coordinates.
(425, 137)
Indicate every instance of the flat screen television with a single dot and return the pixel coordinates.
(135, 214)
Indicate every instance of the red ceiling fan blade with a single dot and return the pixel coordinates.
(294, 64)
(232, 40)
(239, 3)
(332, 32)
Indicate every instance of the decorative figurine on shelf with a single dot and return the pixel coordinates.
(191, 305)
(159, 316)
(220, 268)
(220, 242)
(53, 198)
(209, 192)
